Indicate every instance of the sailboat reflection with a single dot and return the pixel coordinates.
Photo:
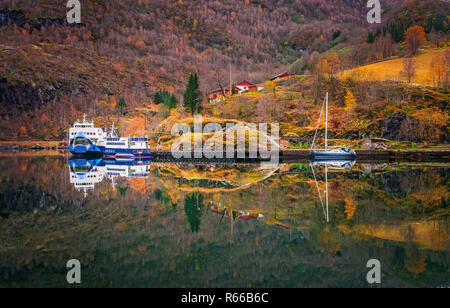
(329, 165)
(84, 174)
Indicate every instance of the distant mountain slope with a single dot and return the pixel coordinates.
(50, 70)
(169, 38)
(433, 15)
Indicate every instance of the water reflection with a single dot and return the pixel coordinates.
(85, 174)
(138, 223)
(329, 165)
(194, 209)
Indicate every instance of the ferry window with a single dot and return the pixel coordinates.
(80, 141)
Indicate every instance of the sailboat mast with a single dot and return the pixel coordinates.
(326, 191)
(326, 122)
(231, 82)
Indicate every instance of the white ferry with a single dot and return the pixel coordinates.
(86, 139)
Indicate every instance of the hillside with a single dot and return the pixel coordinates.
(125, 51)
(432, 15)
(393, 69)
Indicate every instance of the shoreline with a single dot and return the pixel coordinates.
(24, 148)
(34, 145)
(384, 155)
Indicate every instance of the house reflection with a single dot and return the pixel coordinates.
(242, 215)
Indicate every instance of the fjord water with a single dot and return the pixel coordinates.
(187, 225)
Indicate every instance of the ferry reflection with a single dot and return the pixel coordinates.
(85, 174)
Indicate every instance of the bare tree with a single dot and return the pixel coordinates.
(219, 81)
(409, 68)
(436, 37)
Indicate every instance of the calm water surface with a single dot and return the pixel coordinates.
(141, 224)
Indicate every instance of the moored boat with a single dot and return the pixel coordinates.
(86, 139)
(125, 147)
(332, 153)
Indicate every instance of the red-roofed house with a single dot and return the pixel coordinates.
(281, 75)
(244, 86)
(217, 95)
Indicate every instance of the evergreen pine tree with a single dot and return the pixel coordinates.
(192, 95)
(157, 98)
(233, 90)
(173, 102)
(121, 105)
(370, 37)
(165, 97)
(187, 97)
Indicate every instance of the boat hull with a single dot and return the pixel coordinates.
(322, 155)
(91, 150)
(126, 153)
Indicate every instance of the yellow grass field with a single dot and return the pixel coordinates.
(391, 69)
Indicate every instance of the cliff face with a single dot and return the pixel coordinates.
(17, 17)
(10, 17)
(27, 96)
(16, 90)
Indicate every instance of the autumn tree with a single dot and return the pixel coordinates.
(350, 105)
(440, 69)
(23, 131)
(429, 124)
(334, 68)
(104, 105)
(320, 75)
(271, 87)
(335, 64)
(415, 39)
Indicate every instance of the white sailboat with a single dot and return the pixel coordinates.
(332, 153)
